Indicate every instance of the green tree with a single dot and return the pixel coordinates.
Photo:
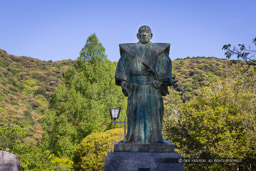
(218, 123)
(11, 136)
(31, 157)
(36, 158)
(93, 50)
(81, 103)
(172, 105)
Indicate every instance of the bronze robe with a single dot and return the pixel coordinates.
(139, 66)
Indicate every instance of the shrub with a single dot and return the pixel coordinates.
(91, 152)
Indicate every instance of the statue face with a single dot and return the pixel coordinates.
(144, 34)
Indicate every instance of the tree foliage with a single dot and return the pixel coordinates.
(93, 50)
(11, 136)
(246, 54)
(218, 123)
(81, 103)
(91, 152)
(31, 156)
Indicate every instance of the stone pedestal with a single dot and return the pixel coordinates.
(143, 161)
(152, 148)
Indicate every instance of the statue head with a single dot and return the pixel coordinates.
(144, 34)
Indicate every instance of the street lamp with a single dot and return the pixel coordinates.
(114, 113)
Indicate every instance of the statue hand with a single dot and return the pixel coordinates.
(157, 84)
(123, 84)
(126, 91)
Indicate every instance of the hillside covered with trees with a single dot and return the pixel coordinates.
(26, 86)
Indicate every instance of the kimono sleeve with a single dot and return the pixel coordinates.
(121, 71)
(164, 68)
(164, 72)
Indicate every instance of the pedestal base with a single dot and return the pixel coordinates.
(152, 148)
(139, 161)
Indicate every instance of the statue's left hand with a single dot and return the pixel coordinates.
(124, 84)
(157, 84)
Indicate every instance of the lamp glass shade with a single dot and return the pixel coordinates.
(114, 112)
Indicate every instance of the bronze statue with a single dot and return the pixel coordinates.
(144, 73)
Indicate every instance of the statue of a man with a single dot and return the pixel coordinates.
(144, 73)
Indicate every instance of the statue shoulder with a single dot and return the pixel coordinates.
(129, 48)
(161, 47)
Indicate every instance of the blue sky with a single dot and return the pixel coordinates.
(58, 29)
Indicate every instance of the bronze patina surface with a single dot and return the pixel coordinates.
(144, 73)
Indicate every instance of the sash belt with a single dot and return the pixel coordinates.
(144, 80)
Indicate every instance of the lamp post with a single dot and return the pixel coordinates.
(114, 113)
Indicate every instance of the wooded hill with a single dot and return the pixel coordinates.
(190, 74)
(27, 84)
